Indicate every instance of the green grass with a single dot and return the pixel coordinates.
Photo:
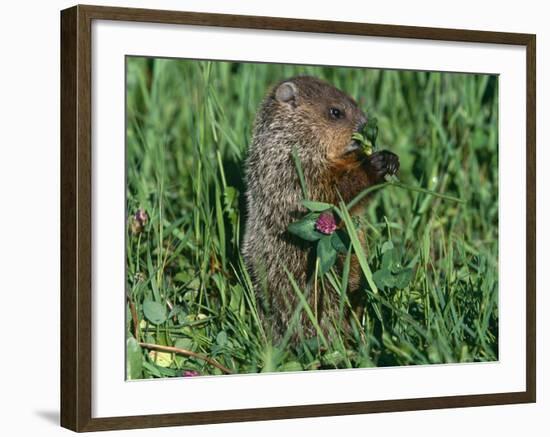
(188, 129)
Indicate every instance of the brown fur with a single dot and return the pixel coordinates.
(296, 113)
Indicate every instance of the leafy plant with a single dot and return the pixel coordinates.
(367, 135)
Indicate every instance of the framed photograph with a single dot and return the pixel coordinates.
(267, 218)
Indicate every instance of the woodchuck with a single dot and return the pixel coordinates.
(318, 121)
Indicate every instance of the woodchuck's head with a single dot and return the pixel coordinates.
(313, 116)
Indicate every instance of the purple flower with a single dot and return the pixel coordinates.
(326, 223)
(190, 373)
(138, 221)
(141, 217)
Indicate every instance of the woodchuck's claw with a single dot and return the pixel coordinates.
(383, 163)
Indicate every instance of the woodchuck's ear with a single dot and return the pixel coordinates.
(287, 93)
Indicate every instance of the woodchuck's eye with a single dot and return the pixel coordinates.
(336, 114)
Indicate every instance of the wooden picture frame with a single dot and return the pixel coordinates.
(76, 217)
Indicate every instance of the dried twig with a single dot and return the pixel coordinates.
(177, 350)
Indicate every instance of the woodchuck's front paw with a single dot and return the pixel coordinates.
(383, 163)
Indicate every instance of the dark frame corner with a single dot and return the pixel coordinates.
(76, 221)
